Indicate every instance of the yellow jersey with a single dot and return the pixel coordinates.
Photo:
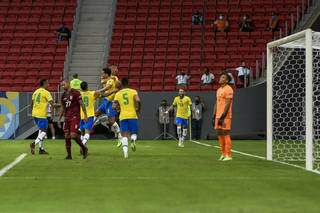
(107, 82)
(183, 106)
(88, 100)
(40, 99)
(125, 98)
(115, 78)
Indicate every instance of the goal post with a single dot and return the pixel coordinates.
(293, 81)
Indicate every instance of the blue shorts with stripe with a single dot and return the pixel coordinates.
(129, 125)
(42, 123)
(182, 122)
(87, 125)
(106, 108)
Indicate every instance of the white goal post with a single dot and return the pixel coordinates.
(293, 84)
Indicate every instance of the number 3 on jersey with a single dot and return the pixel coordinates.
(125, 98)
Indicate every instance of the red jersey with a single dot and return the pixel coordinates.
(71, 102)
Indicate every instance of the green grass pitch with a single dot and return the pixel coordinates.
(159, 177)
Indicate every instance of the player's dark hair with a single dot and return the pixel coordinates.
(125, 82)
(84, 86)
(42, 82)
(75, 75)
(107, 71)
(227, 75)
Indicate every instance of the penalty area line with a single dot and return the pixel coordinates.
(12, 164)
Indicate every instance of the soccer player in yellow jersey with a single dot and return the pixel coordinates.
(40, 100)
(127, 101)
(222, 115)
(109, 90)
(88, 98)
(183, 104)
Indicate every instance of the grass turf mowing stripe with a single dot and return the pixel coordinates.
(11, 165)
(257, 156)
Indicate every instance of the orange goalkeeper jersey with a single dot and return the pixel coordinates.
(223, 94)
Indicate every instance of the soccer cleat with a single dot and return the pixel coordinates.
(119, 144)
(32, 148)
(227, 158)
(43, 152)
(221, 158)
(180, 144)
(85, 153)
(133, 146)
(68, 157)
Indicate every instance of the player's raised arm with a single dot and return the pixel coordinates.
(107, 87)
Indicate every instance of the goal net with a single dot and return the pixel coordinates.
(293, 100)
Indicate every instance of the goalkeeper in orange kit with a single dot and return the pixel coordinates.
(222, 115)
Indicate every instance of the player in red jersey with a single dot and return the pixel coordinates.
(71, 102)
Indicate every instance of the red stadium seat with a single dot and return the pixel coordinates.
(163, 41)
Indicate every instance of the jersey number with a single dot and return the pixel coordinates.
(125, 98)
(68, 103)
(86, 101)
(38, 98)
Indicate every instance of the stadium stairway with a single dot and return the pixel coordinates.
(88, 55)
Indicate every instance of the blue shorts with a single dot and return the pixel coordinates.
(182, 122)
(86, 125)
(42, 123)
(106, 108)
(129, 125)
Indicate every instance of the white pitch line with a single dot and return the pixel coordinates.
(234, 151)
(259, 157)
(11, 165)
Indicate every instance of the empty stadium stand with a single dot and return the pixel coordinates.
(153, 39)
(29, 49)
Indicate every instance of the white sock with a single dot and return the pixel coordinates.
(119, 136)
(86, 137)
(40, 137)
(81, 137)
(134, 137)
(179, 131)
(184, 134)
(115, 128)
(125, 146)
